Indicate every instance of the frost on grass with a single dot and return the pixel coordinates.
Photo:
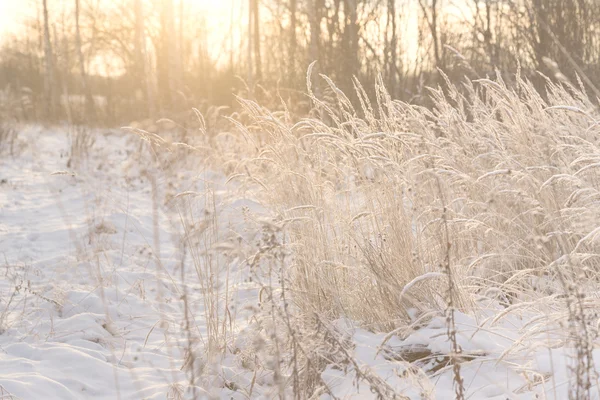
(389, 251)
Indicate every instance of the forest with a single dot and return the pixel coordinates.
(116, 61)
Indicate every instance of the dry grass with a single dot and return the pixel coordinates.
(8, 136)
(495, 191)
(392, 213)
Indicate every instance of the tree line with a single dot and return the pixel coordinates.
(113, 60)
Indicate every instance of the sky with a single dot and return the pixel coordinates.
(11, 11)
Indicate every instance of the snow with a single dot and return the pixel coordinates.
(92, 291)
(84, 311)
(489, 371)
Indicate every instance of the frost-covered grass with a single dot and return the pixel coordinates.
(478, 219)
(111, 286)
(387, 252)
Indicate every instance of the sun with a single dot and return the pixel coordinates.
(10, 15)
(216, 14)
(219, 6)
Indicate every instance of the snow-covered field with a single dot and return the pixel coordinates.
(87, 309)
(116, 270)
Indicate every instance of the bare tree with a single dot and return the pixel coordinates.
(141, 59)
(172, 50)
(250, 77)
(315, 30)
(256, 39)
(392, 63)
(347, 37)
(293, 43)
(430, 13)
(50, 94)
(89, 99)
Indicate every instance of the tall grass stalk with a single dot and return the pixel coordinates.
(496, 187)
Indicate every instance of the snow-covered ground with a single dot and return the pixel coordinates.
(87, 310)
(114, 268)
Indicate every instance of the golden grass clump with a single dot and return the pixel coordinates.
(499, 183)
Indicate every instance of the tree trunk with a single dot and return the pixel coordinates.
(434, 34)
(432, 22)
(63, 70)
(169, 77)
(90, 111)
(315, 30)
(353, 26)
(250, 40)
(393, 61)
(350, 46)
(181, 47)
(142, 68)
(231, 36)
(173, 70)
(257, 57)
(293, 44)
(313, 50)
(49, 84)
